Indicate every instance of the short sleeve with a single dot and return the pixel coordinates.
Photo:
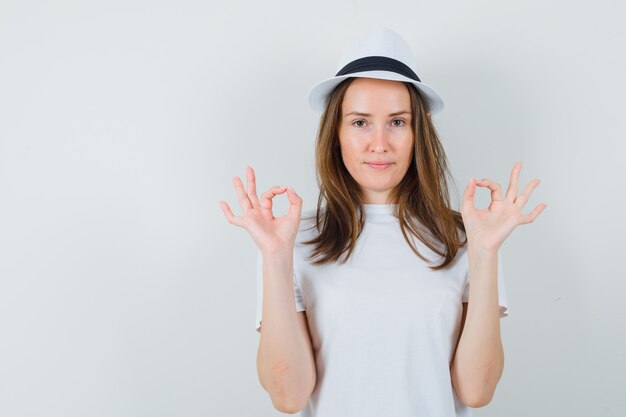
(502, 301)
(300, 306)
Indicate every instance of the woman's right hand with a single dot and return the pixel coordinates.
(271, 234)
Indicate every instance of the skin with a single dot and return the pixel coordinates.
(378, 136)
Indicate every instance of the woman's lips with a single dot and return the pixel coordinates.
(378, 166)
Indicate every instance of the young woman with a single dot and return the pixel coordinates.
(383, 301)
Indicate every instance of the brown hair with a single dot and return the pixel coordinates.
(421, 195)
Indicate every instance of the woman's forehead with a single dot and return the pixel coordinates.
(370, 95)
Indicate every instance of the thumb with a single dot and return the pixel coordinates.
(468, 195)
(295, 203)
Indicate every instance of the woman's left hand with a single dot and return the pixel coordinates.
(488, 228)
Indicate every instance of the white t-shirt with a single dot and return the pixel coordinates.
(383, 326)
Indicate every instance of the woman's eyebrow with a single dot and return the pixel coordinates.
(368, 114)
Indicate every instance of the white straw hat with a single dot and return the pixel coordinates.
(378, 53)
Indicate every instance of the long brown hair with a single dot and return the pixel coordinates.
(422, 195)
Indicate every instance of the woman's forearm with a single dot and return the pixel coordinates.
(285, 362)
(479, 359)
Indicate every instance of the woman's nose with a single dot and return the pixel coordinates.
(379, 139)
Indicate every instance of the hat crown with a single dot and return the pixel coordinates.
(379, 53)
(378, 42)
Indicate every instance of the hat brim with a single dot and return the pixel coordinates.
(319, 92)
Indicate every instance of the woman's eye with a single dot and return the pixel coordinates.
(399, 120)
(357, 121)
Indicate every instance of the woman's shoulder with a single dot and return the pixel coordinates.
(308, 213)
(308, 225)
(308, 220)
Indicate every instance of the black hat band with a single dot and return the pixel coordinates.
(376, 63)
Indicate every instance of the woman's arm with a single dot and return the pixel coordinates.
(285, 361)
(479, 359)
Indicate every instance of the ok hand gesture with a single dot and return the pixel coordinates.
(270, 234)
(488, 228)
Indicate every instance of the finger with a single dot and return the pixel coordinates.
(295, 204)
(232, 219)
(496, 192)
(251, 186)
(468, 195)
(530, 217)
(266, 197)
(521, 199)
(244, 202)
(511, 191)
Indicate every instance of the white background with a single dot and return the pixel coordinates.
(125, 292)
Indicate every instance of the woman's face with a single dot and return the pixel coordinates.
(376, 126)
